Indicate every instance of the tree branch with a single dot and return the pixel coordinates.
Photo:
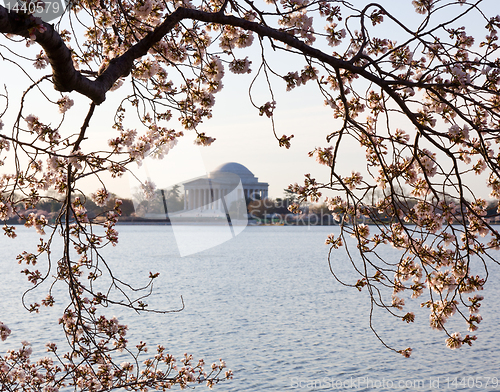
(67, 78)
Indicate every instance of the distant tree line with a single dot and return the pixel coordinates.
(50, 208)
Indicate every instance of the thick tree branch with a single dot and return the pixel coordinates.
(67, 78)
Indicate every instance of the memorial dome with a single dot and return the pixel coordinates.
(235, 168)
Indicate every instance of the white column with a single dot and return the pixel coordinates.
(185, 200)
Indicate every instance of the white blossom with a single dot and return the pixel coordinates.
(65, 103)
(240, 66)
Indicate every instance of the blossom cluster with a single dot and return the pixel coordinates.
(98, 372)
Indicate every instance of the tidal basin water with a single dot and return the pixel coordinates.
(267, 304)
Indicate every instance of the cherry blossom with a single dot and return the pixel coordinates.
(421, 106)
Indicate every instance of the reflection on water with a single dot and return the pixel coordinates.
(266, 303)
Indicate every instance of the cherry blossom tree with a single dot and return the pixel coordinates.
(422, 103)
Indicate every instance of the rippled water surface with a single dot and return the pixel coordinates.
(267, 304)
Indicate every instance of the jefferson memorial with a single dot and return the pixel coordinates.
(228, 183)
